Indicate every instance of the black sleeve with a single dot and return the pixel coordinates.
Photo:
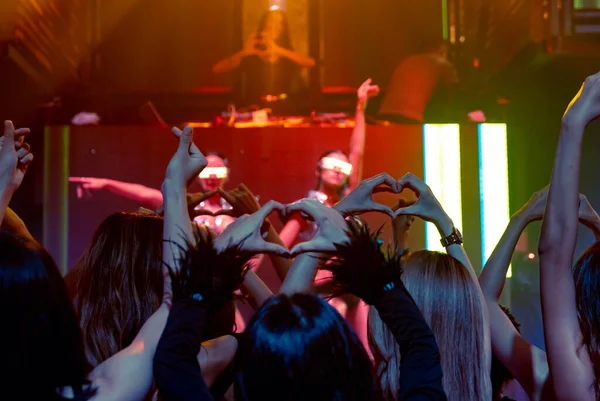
(176, 369)
(420, 369)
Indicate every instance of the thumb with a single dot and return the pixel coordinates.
(9, 136)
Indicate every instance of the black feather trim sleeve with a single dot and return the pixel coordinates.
(207, 275)
(360, 267)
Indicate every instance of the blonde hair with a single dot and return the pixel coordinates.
(451, 304)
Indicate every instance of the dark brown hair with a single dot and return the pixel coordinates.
(120, 282)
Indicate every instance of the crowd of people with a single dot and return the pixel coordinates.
(148, 312)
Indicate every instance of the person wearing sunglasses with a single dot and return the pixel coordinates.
(202, 204)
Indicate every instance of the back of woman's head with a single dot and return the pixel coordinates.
(586, 275)
(120, 282)
(299, 347)
(450, 303)
(40, 341)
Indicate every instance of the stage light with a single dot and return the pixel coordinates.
(531, 256)
(493, 186)
(441, 148)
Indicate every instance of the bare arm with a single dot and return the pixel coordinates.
(357, 140)
(281, 265)
(300, 59)
(230, 63)
(255, 289)
(526, 362)
(139, 193)
(301, 275)
(570, 367)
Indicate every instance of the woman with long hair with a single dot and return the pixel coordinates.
(268, 61)
(450, 303)
(446, 290)
(570, 295)
(120, 282)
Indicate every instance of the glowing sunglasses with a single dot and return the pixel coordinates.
(212, 172)
(331, 163)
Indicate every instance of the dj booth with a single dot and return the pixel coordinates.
(279, 163)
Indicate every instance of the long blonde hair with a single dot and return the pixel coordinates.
(451, 304)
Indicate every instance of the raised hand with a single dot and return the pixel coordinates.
(245, 233)
(366, 91)
(331, 227)
(14, 157)
(361, 199)
(187, 162)
(534, 209)
(585, 106)
(427, 207)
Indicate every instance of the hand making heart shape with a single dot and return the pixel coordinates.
(331, 227)
(426, 207)
(246, 233)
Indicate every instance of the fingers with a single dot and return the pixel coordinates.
(203, 212)
(9, 136)
(24, 150)
(185, 138)
(380, 179)
(316, 245)
(268, 247)
(303, 206)
(412, 182)
(268, 208)
(195, 199)
(26, 160)
(227, 196)
(366, 83)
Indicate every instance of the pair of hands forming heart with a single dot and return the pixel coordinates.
(245, 232)
(331, 226)
(361, 200)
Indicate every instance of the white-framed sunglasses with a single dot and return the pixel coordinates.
(331, 163)
(214, 172)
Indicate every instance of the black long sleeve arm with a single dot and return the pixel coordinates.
(176, 369)
(420, 369)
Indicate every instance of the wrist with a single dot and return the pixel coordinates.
(445, 226)
(172, 188)
(521, 219)
(573, 129)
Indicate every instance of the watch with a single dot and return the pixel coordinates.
(454, 238)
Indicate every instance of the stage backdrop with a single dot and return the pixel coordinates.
(274, 163)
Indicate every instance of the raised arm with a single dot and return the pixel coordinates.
(526, 362)
(571, 370)
(357, 140)
(136, 192)
(299, 59)
(428, 208)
